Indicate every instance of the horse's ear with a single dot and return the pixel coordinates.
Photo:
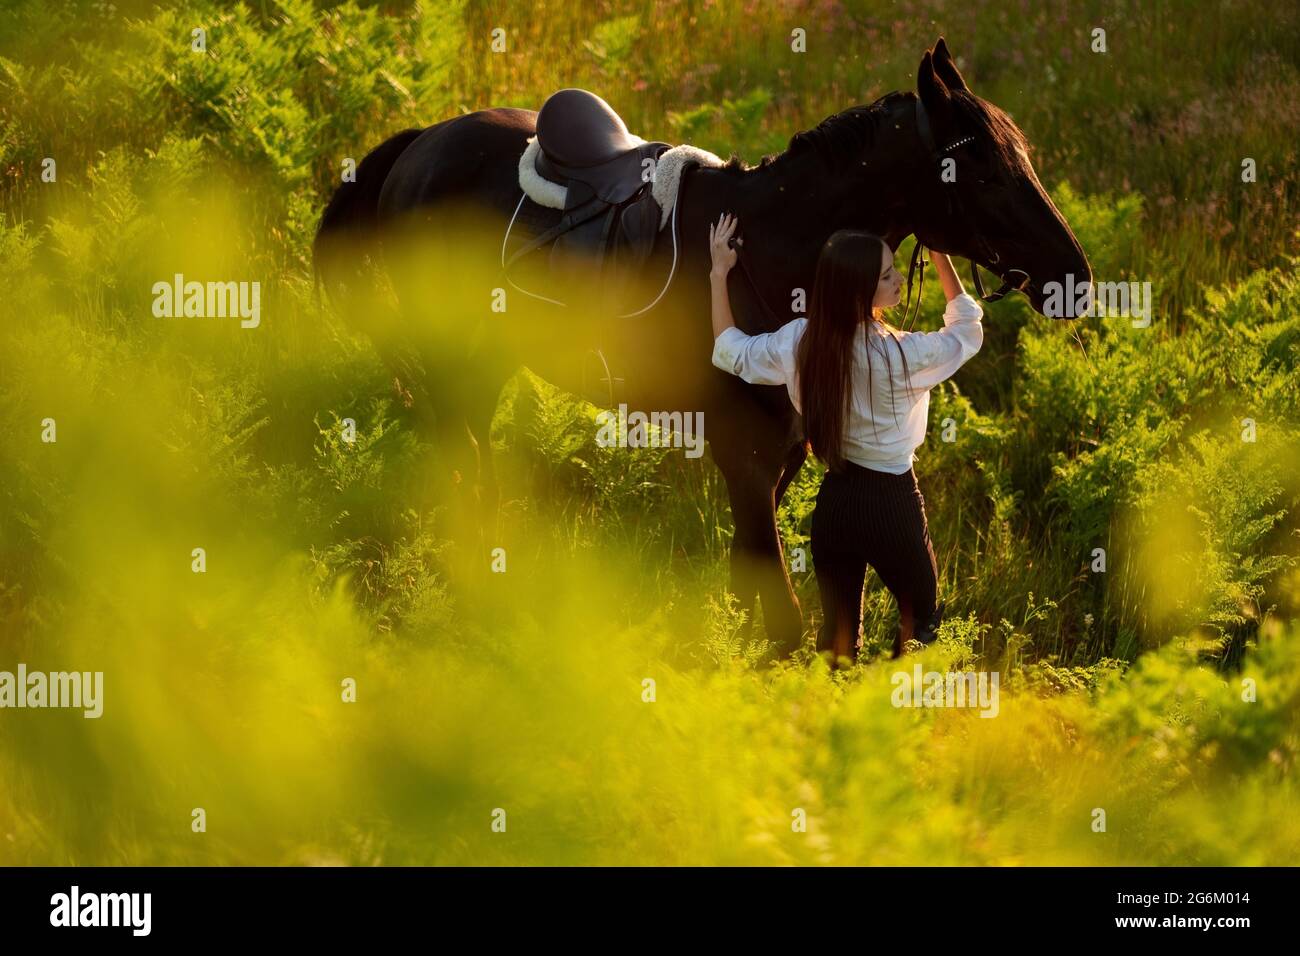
(929, 86)
(946, 68)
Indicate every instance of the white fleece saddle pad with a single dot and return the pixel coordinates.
(667, 177)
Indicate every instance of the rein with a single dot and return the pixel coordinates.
(734, 243)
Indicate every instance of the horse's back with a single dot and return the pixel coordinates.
(475, 154)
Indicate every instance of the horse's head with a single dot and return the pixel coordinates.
(992, 210)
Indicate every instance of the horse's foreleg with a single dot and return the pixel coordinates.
(794, 459)
(757, 564)
(478, 417)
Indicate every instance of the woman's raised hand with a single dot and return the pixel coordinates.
(720, 232)
(948, 277)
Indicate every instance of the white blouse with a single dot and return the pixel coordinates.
(886, 423)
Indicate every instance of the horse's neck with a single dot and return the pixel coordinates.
(790, 207)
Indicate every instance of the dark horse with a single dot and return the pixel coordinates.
(868, 167)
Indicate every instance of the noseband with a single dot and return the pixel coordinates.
(1013, 280)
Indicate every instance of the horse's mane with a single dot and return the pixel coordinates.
(991, 125)
(842, 138)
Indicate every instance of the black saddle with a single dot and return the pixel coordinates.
(583, 140)
(610, 213)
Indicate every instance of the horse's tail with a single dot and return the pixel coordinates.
(349, 226)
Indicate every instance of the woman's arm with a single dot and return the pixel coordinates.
(724, 257)
(938, 355)
(948, 277)
(764, 359)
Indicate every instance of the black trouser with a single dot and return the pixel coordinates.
(866, 517)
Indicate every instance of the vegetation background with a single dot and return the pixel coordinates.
(1128, 690)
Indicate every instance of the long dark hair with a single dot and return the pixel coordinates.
(848, 270)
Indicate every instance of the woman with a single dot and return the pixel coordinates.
(863, 388)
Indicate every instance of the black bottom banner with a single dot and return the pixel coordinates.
(334, 904)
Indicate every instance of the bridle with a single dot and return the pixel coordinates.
(956, 211)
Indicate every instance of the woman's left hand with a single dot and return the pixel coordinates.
(724, 257)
